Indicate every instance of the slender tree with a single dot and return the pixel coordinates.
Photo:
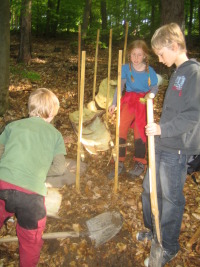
(4, 54)
(190, 19)
(25, 32)
(104, 21)
(104, 14)
(86, 16)
(50, 9)
(199, 15)
(55, 24)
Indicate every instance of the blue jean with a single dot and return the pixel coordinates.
(171, 172)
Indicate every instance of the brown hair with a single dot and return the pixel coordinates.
(43, 103)
(166, 35)
(139, 44)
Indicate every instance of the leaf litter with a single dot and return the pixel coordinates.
(58, 71)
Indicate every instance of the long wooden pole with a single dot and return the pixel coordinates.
(152, 168)
(80, 121)
(95, 67)
(118, 120)
(109, 71)
(54, 235)
(125, 44)
(79, 61)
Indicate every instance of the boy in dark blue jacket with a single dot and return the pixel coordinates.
(177, 137)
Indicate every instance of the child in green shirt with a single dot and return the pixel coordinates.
(29, 148)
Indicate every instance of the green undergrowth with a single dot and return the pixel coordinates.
(24, 73)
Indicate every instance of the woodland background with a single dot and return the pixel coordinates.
(39, 48)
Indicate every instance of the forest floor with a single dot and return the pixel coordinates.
(56, 63)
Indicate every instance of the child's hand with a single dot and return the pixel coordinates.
(111, 109)
(142, 100)
(152, 129)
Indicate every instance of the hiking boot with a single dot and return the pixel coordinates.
(138, 169)
(144, 236)
(167, 257)
(121, 169)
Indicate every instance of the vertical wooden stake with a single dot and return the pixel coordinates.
(95, 67)
(109, 70)
(79, 62)
(125, 44)
(80, 121)
(118, 120)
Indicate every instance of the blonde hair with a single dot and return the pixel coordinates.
(166, 35)
(139, 44)
(43, 103)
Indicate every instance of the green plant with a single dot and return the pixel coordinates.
(31, 75)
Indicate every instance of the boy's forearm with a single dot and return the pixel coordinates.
(58, 166)
(154, 89)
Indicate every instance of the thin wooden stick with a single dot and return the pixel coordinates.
(194, 238)
(118, 119)
(80, 121)
(95, 67)
(125, 43)
(79, 62)
(44, 236)
(109, 70)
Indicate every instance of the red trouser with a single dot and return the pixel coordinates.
(126, 121)
(31, 220)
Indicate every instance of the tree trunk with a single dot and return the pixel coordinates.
(152, 17)
(86, 17)
(125, 14)
(172, 11)
(4, 54)
(55, 24)
(50, 8)
(25, 32)
(104, 35)
(104, 14)
(199, 15)
(190, 19)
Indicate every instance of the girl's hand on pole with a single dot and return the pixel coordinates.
(111, 109)
(152, 129)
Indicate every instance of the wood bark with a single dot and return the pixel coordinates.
(199, 15)
(25, 32)
(172, 11)
(104, 36)
(104, 14)
(86, 17)
(55, 24)
(190, 19)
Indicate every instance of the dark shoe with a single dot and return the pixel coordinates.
(138, 169)
(167, 257)
(121, 169)
(145, 235)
